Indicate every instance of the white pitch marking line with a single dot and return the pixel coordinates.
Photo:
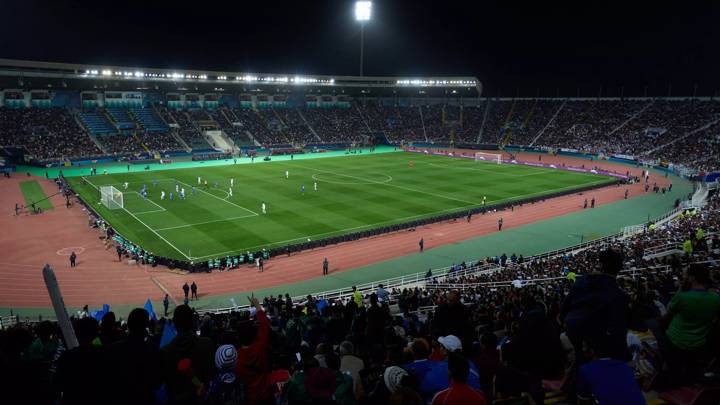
(146, 226)
(203, 223)
(392, 185)
(399, 220)
(214, 196)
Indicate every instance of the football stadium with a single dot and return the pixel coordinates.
(180, 228)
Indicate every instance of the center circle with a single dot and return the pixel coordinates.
(335, 178)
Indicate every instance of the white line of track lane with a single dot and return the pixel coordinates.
(221, 199)
(146, 225)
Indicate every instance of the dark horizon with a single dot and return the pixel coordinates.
(523, 50)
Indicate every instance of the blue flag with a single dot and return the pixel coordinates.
(168, 334)
(149, 308)
(99, 314)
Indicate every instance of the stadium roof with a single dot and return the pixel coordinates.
(36, 75)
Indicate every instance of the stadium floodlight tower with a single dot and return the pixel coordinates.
(363, 11)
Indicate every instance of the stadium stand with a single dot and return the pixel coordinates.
(46, 133)
(188, 130)
(97, 123)
(121, 118)
(148, 120)
(673, 130)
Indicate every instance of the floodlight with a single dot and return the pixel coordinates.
(363, 10)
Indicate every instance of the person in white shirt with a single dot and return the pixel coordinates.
(263, 208)
(230, 192)
(162, 195)
(198, 180)
(287, 174)
(232, 183)
(315, 186)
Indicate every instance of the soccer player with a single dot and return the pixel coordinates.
(171, 196)
(287, 174)
(125, 185)
(302, 189)
(177, 187)
(193, 190)
(315, 186)
(230, 192)
(483, 200)
(182, 193)
(232, 182)
(199, 180)
(162, 195)
(263, 208)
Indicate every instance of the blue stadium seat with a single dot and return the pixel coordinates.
(97, 123)
(150, 121)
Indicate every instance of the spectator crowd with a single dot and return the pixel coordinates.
(601, 324)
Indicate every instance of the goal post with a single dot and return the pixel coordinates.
(111, 197)
(488, 157)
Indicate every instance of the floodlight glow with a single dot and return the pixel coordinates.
(363, 10)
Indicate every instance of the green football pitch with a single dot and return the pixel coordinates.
(354, 193)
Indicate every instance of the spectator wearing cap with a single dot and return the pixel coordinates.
(437, 378)
(187, 360)
(459, 392)
(393, 377)
(226, 387)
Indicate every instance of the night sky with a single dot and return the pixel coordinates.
(513, 47)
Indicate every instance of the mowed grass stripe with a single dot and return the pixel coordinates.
(354, 194)
(33, 193)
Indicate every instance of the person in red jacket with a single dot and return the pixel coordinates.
(459, 392)
(253, 366)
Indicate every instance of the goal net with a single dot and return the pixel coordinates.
(489, 157)
(111, 197)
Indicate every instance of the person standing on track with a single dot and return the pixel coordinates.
(421, 244)
(118, 248)
(626, 193)
(193, 291)
(186, 289)
(326, 266)
(592, 203)
(500, 224)
(585, 204)
(166, 303)
(73, 258)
